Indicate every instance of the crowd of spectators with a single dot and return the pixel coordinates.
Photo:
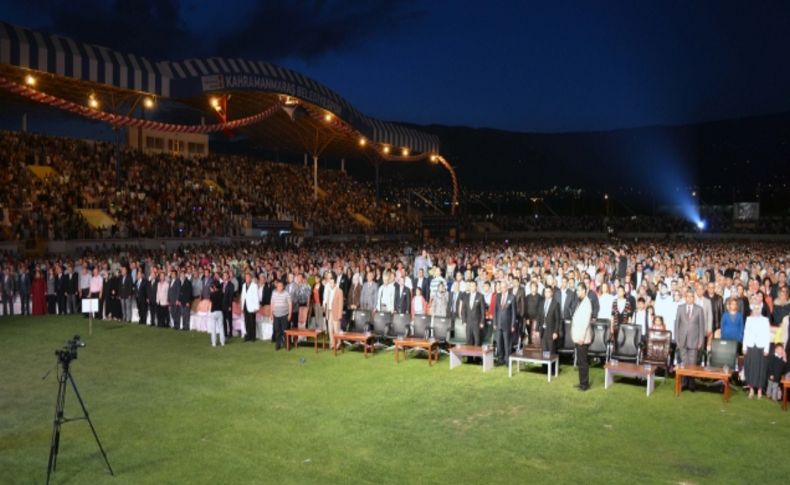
(733, 282)
(172, 196)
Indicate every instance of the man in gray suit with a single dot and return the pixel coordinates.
(690, 327)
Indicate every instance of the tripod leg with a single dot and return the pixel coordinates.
(87, 418)
(58, 420)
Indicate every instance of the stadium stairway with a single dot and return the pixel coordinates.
(97, 218)
(42, 171)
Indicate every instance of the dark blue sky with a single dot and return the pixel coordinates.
(516, 65)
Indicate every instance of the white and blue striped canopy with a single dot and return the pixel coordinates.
(63, 56)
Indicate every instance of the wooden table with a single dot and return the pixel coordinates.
(459, 351)
(697, 371)
(431, 346)
(366, 339)
(294, 333)
(785, 389)
(533, 356)
(630, 369)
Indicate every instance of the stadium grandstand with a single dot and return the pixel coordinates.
(104, 185)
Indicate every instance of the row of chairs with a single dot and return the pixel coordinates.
(656, 349)
(388, 326)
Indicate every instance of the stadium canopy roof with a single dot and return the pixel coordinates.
(313, 119)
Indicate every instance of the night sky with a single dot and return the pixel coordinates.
(514, 65)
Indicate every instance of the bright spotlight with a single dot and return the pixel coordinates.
(30, 80)
(434, 158)
(362, 141)
(215, 103)
(148, 103)
(93, 102)
(701, 225)
(405, 152)
(386, 149)
(328, 117)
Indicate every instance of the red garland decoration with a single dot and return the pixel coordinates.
(120, 120)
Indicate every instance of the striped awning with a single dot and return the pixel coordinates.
(63, 56)
(215, 74)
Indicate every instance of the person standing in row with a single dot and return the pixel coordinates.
(163, 301)
(756, 342)
(333, 309)
(185, 300)
(250, 304)
(125, 288)
(216, 326)
(141, 297)
(152, 285)
(581, 334)
(281, 309)
(690, 326)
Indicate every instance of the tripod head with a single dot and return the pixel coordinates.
(69, 351)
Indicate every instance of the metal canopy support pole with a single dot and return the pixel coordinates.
(343, 165)
(315, 177)
(305, 159)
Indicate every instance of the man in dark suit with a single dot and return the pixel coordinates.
(504, 321)
(473, 314)
(228, 291)
(141, 297)
(150, 297)
(173, 291)
(549, 321)
(402, 297)
(690, 328)
(73, 291)
(568, 299)
(185, 300)
(422, 282)
(23, 288)
(125, 289)
(534, 302)
(8, 288)
(521, 309)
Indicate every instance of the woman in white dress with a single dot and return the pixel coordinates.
(756, 340)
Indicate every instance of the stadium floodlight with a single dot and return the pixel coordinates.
(694, 193)
(405, 152)
(386, 149)
(328, 117)
(363, 141)
(434, 158)
(701, 225)
(215, 103)
(148, 102)
(30, 80)
(605, 196)
(93, 102)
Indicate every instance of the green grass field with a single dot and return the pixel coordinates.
(171, 409)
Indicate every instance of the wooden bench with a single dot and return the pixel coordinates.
(785, 390)
(697, 371)
(404, 344)
(366, 339)
(459, 351)
(295, 333)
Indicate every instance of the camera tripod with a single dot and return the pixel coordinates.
(63, 377)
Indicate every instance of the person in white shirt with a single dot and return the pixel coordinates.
(756, 340)
(642, 317)
(581, 333)
(250, 303)
(605, 301)
(666, 307)
(386, 297)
